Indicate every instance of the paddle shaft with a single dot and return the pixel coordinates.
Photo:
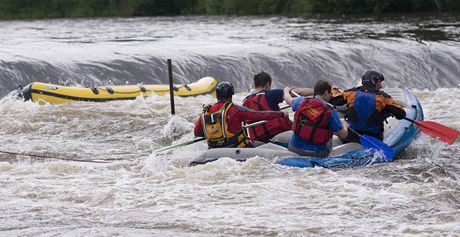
(362, 137)
(179, 145)
(295, 93)
(256, 123)
(285, 107)
(411, 120)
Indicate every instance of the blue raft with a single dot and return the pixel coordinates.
(398, 135)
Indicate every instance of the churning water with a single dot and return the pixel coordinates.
(140, 194)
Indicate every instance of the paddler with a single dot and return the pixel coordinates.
(368, 107)
(315, 121)
(221, 123)
(265, 99)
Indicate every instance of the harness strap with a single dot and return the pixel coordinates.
(259, 108)
(303, 120)
(316, 125)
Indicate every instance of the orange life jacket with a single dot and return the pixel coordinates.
(265, 131)
(366, 109)
(310, 121)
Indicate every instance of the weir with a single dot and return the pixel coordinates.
(295, 51)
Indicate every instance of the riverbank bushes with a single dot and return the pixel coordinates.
(20, 9)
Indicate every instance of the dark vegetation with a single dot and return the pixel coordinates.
(29, 9)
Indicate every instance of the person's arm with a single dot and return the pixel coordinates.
(396, 111)
(287, 96)
(342, 134)
(304, 91)
(249, 114)
(338, 100)
(198, 130)
(393, 108)
(337, 126)
(335, 90)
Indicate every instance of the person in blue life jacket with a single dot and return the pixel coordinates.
(315, 122)
(264, 98)
(368, 107)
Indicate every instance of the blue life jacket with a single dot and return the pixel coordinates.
(363, 115)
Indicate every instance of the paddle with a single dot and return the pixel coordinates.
(371, 142)
(202, 138)
(256, 123)
(285, 107)
(437, 130)
(179, 145)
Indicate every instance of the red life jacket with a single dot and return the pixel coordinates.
(265, 131)
(310, 121)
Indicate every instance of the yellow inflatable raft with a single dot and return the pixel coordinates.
(54, 94)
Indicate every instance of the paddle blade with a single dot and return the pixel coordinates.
(371, 142)
(438, 131)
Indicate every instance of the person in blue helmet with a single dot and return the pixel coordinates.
(368, 107)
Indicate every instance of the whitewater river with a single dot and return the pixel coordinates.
(139, 194)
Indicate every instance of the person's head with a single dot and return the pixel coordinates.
(373, 79)
(224, 91)
(323, 89)
(262, 79)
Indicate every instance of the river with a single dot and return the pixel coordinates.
(141, 194)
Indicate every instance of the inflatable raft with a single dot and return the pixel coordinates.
(54, 94)
(398, 135)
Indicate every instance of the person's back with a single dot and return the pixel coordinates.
(220, 128)
(264, 99)
(260, 101)
(221, 123)
(368, 107)
(315, 121)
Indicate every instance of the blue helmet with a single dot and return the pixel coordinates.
(369, 78)
(224, 91)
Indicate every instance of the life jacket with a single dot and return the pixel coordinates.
(310, 121)
(215, 129)
(266, 131)
(363, 115)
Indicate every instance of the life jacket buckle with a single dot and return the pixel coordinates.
(304, 122)
(212, 118)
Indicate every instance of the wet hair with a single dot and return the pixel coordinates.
(321, 87)
(261, 79)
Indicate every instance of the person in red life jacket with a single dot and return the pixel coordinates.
(264, 99)
(368, 107)
(315, 121)
(221, 123)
